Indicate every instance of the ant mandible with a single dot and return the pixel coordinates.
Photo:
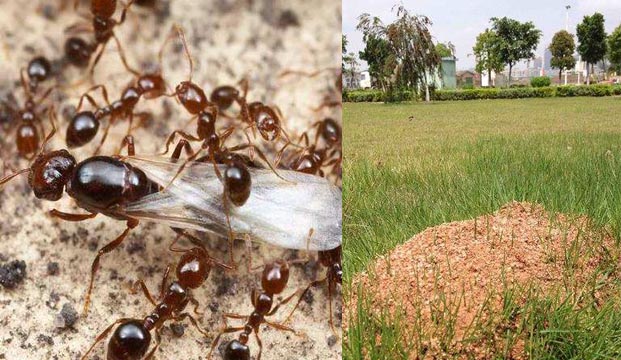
(132, 338)
(273, 282)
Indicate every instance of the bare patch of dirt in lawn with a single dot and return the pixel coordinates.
(456, 274)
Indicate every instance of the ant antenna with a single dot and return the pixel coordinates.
(185, 48)
(24, 84)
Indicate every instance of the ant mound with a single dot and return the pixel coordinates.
(450, 280)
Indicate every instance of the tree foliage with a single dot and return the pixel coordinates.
(614, 49)
(486, 52)
(562, 48)
(445, 50)
(516, 41)
(411, 44)
(378, 56)
(592, 40)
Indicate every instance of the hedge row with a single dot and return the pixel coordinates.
(377, 96)
(528, 92)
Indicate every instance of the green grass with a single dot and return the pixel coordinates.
(411, 166)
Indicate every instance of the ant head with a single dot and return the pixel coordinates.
(50, 173)
(275, 277)
(193, 268)
(224, 96)
(151, 85)
(267, 123)
(78, 51)
(130, 341)
(235, 350)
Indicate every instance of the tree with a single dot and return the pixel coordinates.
(344, 43)
(445, 50)
(378, 56)
(486, 52)
(592, 40)
(562, 49)
(411, 44)
(614, 50)
(350, 64)
(516, 41)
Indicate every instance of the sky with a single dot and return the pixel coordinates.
(460, 21)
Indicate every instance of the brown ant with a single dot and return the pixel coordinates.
(331, 260)
(85, 124)
(273, 281)
(77, 51)
(132, 338)
(27, 133)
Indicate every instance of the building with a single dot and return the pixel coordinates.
(358, 80)
(468, 78)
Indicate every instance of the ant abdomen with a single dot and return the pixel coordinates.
(237, 182)
(130, 341)
(193, 268)
(151, 86)
(275, 277)
(235, 350)
(39, 69)
(224, 96)
(82, 129)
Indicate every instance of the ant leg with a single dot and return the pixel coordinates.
(196, 305)
(80, 27)
(256, 336)
(104, 93)
(45, 95)
(182, 134)
(71, 217)
(122, 55)
(24, 83)
(226, 330)
(312, 284)
(261, 155)
(280, 327)
(181, 145)
(142, 117)
(132, 223)
(103, 336)
(105, 135)
(194, 322)
(7, 178)
(172, 247)
(164, 281)
(144, 289)
(124, 12)
(91, 71)
(158, 341)
(282, 302)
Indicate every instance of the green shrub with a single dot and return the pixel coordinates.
(529, 92)
(540, 81)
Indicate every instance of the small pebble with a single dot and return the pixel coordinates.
(52, 268)
(12, 273)
(177, 329)
(67, 317)
(332, 339)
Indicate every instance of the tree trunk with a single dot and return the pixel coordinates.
(510, 68)
(560, 75)
(588, 74)
(489, 77)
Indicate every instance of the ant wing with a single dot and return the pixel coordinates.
(279, 212)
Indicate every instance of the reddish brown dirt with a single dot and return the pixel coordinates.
(466, 262)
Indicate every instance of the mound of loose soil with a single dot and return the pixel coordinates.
(462, 266)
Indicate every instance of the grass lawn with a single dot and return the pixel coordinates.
(412, 166)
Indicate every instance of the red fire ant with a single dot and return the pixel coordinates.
(27, 133)
(85, 124)
(132, 338)
(273, 281)
(78, 52)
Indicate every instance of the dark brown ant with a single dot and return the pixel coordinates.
(132, 338)
(102, 27)
(99, 185)
(273, 282)
(331, 260)
(27, 133)
(85, 124)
